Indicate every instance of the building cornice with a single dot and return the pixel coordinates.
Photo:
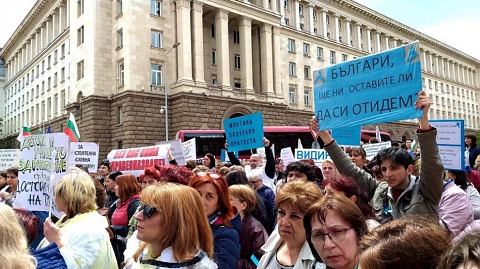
(402, 28)
(255, 12)
(28, 24)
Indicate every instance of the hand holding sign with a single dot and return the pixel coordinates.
(324, 135)
(423, 102)
(266, 142)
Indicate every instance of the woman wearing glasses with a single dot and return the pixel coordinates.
(287, 247)
(226, 227)
(173, 229)
(334, 226)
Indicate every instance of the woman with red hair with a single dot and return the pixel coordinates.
(128, 191)
(343, 185)
(226, 227)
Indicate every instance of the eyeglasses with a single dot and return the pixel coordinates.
(148, 211)
(212, 175)
(335, 235)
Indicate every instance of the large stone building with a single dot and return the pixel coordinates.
(110, 63)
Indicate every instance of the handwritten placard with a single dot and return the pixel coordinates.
(84, 154)
(451, 143)
(135, 160)
(373, 149)
(8, 158)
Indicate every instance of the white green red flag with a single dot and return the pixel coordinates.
(24, 132)
(72, 130)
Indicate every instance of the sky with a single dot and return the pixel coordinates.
(455, 23)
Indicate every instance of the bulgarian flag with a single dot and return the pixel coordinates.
(24, 132)
(72, 130)
(414, 145)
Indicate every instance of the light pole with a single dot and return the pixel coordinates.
(166, 89)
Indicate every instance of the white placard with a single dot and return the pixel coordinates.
(177, 150)
(451, 156)
(287, 157)
(8, 158)
(85, 154)
(190, 149)
(34, 189)
(135, 160)
(373, 149)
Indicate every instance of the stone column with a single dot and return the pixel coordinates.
(394, 42)
(61, 14)
(359, 36)
(425, 63)
(42, 35)
(449, 75)
(245, 27)
(266, 58)
(349, 32)
(387, 46)
(274, 4)
(324, 23)
(296, 11)
(277, 60)
(198, 69)
(337, 30)
(55, 23)
(223, 52)
(379, 45)
(430, 62)
(310, 21)
(369, 41)
(33, 43)
(282, 12)
(265, 4)
(184, 36)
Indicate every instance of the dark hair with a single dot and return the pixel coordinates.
(101, 199)
(277, 161)
(343, 207)
(474, 140)
(212, 160)
(302, 167)
(373, 140)
(465, 250)
(3, 174)
(82, 167)
(359, 150)
(191, 164)
(350, 188)
(376, 171)
(395, 144)
(237, 177)
(29, 222)
(13, 170)
(461, 179)
(113, 175)
(106, 163)
(127, 186)
(396, 155)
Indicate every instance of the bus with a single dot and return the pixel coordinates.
(213, 141)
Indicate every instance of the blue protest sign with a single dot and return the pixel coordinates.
(244, 132)
(379, 88)
(451, 143)
(224, 155)
(348, 136)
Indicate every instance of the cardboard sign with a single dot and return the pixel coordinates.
(373, 149)
(287, 157)
(377, 88)
(190, 149)
(177, 150)
(35, 190)
(8, 158)
(135, 160)
(451, 143)
(244, 132)
(85, 154)
(224, 156)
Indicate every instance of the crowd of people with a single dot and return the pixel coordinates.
(401, 210)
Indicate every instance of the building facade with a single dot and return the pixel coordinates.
(114, 64)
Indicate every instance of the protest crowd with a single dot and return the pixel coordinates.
(399, 210)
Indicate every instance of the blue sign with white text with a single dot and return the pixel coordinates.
(378, 88)
(348, 136)
(224, 155)
(244, 132)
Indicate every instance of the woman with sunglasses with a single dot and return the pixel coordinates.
(167, 240)
(334, 227)
(226, 227)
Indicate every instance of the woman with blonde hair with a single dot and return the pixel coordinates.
(287, 247)
(81, 233)
(14, 251)
(173, 228)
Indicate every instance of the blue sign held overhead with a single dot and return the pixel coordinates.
(378, 88)
(224, 155)
(348, 136)
(244, 132)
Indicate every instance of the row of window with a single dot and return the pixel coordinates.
(306, 52)
(292, 96)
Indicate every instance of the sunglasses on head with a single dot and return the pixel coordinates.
(148, 211)
(212, 175)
